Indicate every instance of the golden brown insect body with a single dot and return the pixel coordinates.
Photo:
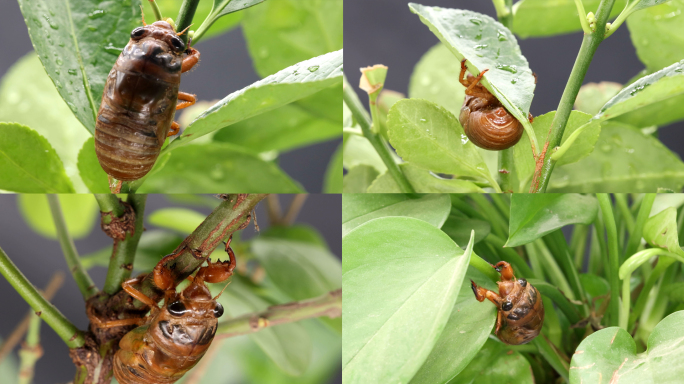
(140, 99)
(175, 337)
(520, 309)
(485, 121)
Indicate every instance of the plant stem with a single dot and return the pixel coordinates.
(623, 207)
(613, 257)
(83, 280)
(361, 117)
(329, 304)
(483, 266)
(123, 251)
(555, 294)
(295, 206)
(43, 308)
(644, 213)
(509, 182)
(551, 268)
(185, 16)
(582, 16)
(30, 351)
(562, 255)
(578, 244)
(273, 208)
(155, 9)
(590, 43)
(109, 203)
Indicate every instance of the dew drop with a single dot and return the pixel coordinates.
(72, 72)
(52, 24)
(481, 46)
(57, 72)
(58, 61)
(423, 120)
(515, 80)
(476, 21)
(507, 68)
(464, 139)
(501, 36)
(478, 36)
(96, 14)
(110, 48)
(313, 68)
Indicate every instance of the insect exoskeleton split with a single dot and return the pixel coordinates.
(520, 314)
(173, 338)
(139, 101)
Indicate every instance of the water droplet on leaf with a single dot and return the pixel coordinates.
(313, 68)
(507, 68)
(96, 14)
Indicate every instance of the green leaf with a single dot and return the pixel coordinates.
(651, 100)
(358, 179)
(359, 151)
(280, 33)
(594, 285)
(28, 163)
(391, 313)
(288, 345)
(218, 168)
(285, 128)
(537, 18)
(646, 3)
(423, 181)
(466, 331)
(611, 352)
(182, 220)
(656, 34)
(9, 367)
(429, 136)
(435, 78)
(25, 89)
(90, 170)
(79, 213)
(495, 363)
(284, 87)
(487, 44)
(333, 175)
(625, 159)
(299, 269)
(533, 216)
(666, 200)
(301, 233)
(661, 231)
(592, 96)
(459, 228)
(78, 42)
(360, 208)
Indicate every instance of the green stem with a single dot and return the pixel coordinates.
(551, 268)
(582, 16)
(644, 213)
(562, 255)
(83, 280)
(156, 10)
(621, 17)
(185, 16)
(466, 208)
(109, 203)
(43, 308)
(329, 304)
(483, 266)
(361, 117)
(30, 351)
(502, 204)
(123, 251)
(578, 244)
(621, 202)
(590, 43)
(613, 257)
(509, 181)
(498, 222)
(553, 293)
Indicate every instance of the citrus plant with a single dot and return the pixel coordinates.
(285, 293)
(602, 137)
(608, 269)
(50, 98)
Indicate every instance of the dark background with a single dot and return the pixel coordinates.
(39, 257)
(223, 54)
(386, 32)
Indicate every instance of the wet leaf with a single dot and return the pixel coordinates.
(397, 317)
(495, 363)
(90, 170)
(28, 163)
(423, 181)
(435, 78)
(592, 96)
(656, 32)
(358, 179)
(359, 151)
(79, 213)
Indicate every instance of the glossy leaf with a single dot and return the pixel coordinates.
(435, 78)
(496, 363)
(79, 213)
(359, 151)
(28, 163)
(78, 46)
(26, 89)
(423, 181)
(466, 331)
(592, 96)
(333, 175)
(218, 168)
(661, 231)
(656, 32)
(182, 220)
(429, 136)
(299, 269)
(647, 3)
(284, 87)
(487, 44)
(625, 159)
(397, 317)
(651, 100)
(533, 216)
(537, 18)
(358, 179)
(611, 352)
(281, 33)
(360, 208)
(90, 170)
(459, 228)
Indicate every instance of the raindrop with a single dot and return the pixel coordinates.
(679, 69)
(58, 61)
(481, 46)
(96, 14)
(476, 21)
(313, 68)
(109, 48)
(52, 24)
(515, 80)
(37, 22)
(638, 89)
(478, 37)
(507, 68)
(423, 120)
(464, 139)
(501, 36)
(91, 28)
(57, 71)
(72, 72)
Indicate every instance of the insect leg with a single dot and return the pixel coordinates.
(119, 323)
(175, 127)
(185, 100)
(221, 270)
(461, 78)
(190, 60)
(483, 293)
(128, 287)
(505, 269)
(471, 88)
(499, 321)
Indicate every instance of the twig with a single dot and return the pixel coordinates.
(83, 280)
(185, 16)
(30, 351)
(48, 312)
(53, 285)
(273, 207)
(329, 304)
(295, 207)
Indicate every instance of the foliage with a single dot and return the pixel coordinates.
(400, 247)
(53, 105)
(609, 143)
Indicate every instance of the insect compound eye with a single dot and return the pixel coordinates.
(218, 310)
(176, 308)
(507, 306)
(137, 33)
(177, 44)
(522, 282)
